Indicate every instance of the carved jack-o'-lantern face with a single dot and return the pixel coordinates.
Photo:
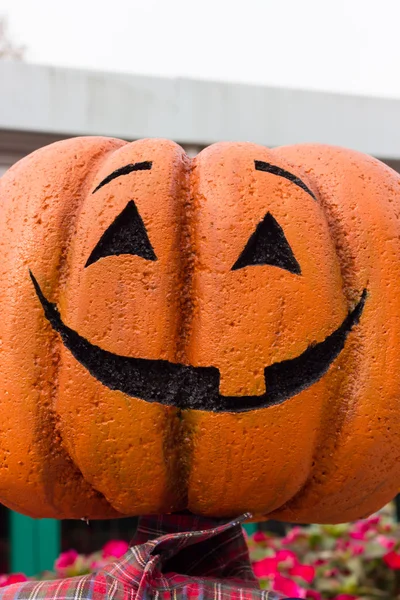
(203, 334)
(187, 386)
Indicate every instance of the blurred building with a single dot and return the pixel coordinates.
(40, 105)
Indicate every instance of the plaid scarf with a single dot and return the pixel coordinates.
(207, 559)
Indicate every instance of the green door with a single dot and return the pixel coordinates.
(35, 544)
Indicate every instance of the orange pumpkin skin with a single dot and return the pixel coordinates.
(71, 447)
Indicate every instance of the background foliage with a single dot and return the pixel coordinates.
(356, 561)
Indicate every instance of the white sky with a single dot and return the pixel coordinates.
(341, 45)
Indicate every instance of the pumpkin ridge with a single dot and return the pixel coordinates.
(186, 266)
(329, 433)
(101, 404)
(332, 418)
(188, 426)
(62, 466)
(353, 201)
(177, 438)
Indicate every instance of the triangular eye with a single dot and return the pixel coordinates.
(126, 235)
(268, 246)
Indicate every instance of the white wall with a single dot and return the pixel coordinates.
(72, 102)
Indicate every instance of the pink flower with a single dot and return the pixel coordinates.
(97, 564)
(288, 587)
(319, 562)
(386, 542)
(265, 567)
(345, 597)
(392, 559)
(342, 545)
(306, 572)
(13, 578)
(288, 557)
(270, 566)
(360, 529)
(115, 549)
(293, 535)
(359, 534)
(65, 560)
(331, 572)
(351, 546)
(260, 536)
(356, 549)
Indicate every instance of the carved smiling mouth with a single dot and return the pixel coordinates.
(188, 387)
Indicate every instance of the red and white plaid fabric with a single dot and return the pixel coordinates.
(207, 559)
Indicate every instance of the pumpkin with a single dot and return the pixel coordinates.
(219, 334)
